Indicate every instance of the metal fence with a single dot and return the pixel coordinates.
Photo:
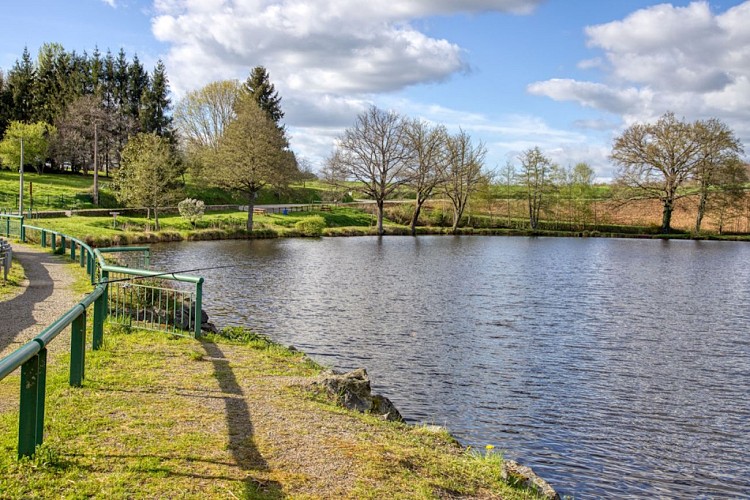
(6, 258)
(137, 297)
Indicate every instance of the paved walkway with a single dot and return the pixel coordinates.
(46, 296)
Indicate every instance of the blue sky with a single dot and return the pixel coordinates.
(563, 75)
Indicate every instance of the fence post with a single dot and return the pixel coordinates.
(31, 419)
(54, 243)
(62, 243)
(44, 238)
(100, 311)
(78, 350)
(72, 250)
(22, 230)
(198, 307)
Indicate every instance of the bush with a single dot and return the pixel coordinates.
(311, 226)
(191, 210)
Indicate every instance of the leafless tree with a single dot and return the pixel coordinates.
(657, 159)
(719, 158)
(426, 171)
(535, 175)
(373, 152)
(464, 171)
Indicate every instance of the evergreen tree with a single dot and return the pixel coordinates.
(259, 86)
(5, 104)
(155, 117)
(96, 70)
(48, 91)
(137, 86)
(21, 87)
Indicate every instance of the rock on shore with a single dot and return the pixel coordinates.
(352, 390)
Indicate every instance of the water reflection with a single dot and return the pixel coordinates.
(610, 366)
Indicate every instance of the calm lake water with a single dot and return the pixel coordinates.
(612, 367)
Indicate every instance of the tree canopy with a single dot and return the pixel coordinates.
(374, 151)
(36, 137)
(657, 159)
(252, 153)
(149, 175)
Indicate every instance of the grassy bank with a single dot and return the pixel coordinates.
(161, 416)
(10, 287)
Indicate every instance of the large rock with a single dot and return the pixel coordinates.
(521, 476)
(352, 390)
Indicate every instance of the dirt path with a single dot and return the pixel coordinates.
(46, 296)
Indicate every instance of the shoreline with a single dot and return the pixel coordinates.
(169, 236)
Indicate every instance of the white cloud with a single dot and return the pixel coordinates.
(689, 60)
(329, 59)
(111, 3)
(337, 46)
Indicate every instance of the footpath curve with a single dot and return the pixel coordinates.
(47, 294)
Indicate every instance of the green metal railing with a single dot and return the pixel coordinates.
(124, 294)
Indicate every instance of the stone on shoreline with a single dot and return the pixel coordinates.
(516, 474)
(352, 390)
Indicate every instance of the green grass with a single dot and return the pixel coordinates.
(12, 285)
(53, 191)
(161, 416)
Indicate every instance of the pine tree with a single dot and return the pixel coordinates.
(96, 70)
(259, 86)
(21, 87)
(137, 86)
(155, 117)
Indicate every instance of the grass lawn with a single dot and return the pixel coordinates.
(161, 417)
(101, 231)
(10, 287)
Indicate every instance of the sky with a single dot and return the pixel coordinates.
(567, 76)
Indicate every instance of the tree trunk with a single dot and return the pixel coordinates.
(666, 216)
(250, 207)
(701, 210)
(458, 212)
(381, 207)
(156, 220)
(415, 216)
(96, 171)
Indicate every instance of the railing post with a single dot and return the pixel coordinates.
(7, 227)
(198, 307)
(22, 231)
(44, 238)
(54, 243)
(72, 250)
(100, 311)
(62, 243)
(78, 350)
(31, 419)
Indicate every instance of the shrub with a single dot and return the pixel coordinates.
(191, 209)
(311, 226)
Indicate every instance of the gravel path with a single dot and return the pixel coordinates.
(47, 295)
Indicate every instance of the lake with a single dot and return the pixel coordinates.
(612, 367)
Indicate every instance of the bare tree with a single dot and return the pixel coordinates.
(375, 153)
(85, 131)
(508, 178)
(719, 155)
(535, 174)
(657, 159)
(729, 191)
(426, 171)
(464, 171)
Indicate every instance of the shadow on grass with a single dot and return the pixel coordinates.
(240, 427)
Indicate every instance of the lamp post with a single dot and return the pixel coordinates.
(20, 189)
